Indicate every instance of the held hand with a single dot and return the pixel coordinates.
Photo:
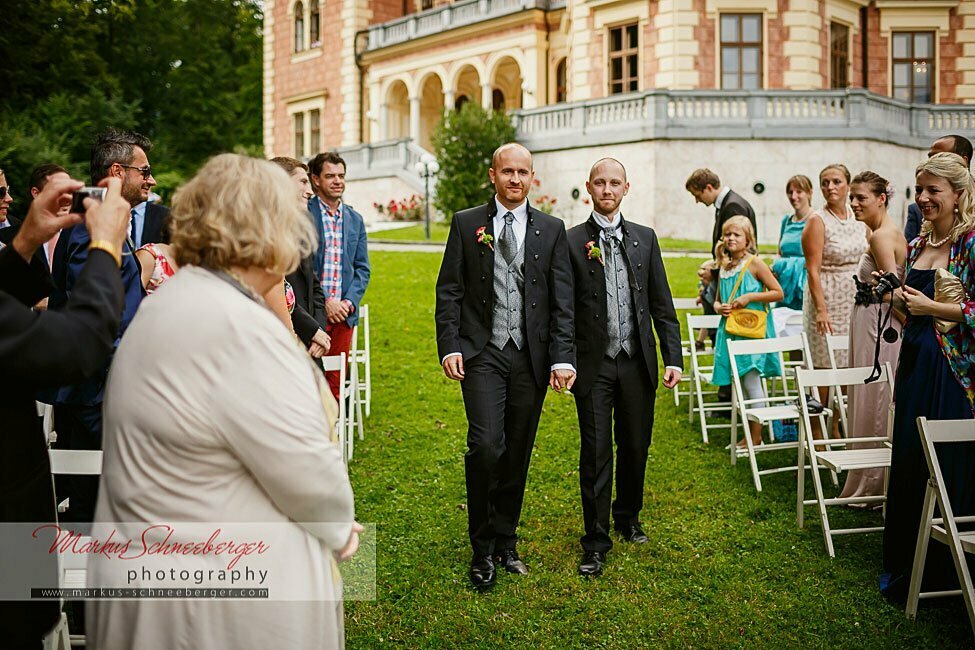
(453, 367)
(43, 220)
(323, 340)
(916, 302)
(109, 219)
(722, 308)
(742, 301)
(560, 380)
(824, 325)
(335, 310)
(352, 545)
(316, 351)
(671, 377)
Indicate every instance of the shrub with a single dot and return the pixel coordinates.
(463, 143)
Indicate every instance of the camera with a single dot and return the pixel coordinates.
(78, 198)
(885, 284)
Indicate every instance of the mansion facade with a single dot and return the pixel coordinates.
(373, 77)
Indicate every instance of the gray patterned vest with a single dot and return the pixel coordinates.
(621, 320)
(508, 319)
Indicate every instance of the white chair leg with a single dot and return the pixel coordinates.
(821, 506)
(921, 551)
(801, 475)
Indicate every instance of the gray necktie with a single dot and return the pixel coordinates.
(507, 241)
(609, 234)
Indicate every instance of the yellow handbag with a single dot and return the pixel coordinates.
(947, 289)
(746, 323)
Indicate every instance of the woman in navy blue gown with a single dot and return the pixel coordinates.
(936, 373)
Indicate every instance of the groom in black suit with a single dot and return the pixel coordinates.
(620, 289)
(504, 331)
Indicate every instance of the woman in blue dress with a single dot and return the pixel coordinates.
(935, 375)
(746, 282)
(790, 267)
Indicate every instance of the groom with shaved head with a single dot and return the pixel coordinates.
(620, 291)
(504, 331)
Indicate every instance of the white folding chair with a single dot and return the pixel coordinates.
(337, 363)
(59, 638)
(685, 387)
(72, 567)
(837, 398)
(355, 388)
(823, 453)
(46, 413)
(776, 407)
(944, 528)
(362, 357)
(702, 367)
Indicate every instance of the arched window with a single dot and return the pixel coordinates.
(314, 25)
(561, 88)
(463, 99)
(299, 27)
(497, 100)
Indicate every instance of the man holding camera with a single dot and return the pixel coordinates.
(78, 407)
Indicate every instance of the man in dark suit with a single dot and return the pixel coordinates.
(620, 291)
(78, 407)
(342, 259)
(45, 349)
(150, 224)
(958, 144)
(308, 317)
(504, 330)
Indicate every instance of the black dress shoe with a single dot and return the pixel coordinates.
(482, 572)
(592, 563)
(509, 559)
(633, 533)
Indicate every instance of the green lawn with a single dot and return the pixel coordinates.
(438, 233)
(725, 566)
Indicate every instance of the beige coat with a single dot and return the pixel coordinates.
(213, 413)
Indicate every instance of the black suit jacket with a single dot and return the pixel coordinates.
(309, 314)
(912, 227)
(155, 230)
(465, 289)
(733, 205)
(650, 295)
(7, 237)
(40, 350)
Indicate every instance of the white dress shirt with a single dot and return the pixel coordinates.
(722, 195)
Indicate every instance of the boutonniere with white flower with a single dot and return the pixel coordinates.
(593, 252)
(484, 237)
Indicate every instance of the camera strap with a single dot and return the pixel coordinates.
(883, 325)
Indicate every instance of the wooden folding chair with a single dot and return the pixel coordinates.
(337, 363)
(702, 367)
(823, 453)
(685, 387)
(944, 528)
(776, 407)
(837, 399)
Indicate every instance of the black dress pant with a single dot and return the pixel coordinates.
(503, 404)
(621, 394)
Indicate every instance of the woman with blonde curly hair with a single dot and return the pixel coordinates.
(215, 413)
(936, 371)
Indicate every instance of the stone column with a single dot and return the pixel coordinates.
(487, 96)
(448, 98)
(415, 119)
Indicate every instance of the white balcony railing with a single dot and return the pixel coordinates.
(384, 159)
(717, 114)
(441, 19)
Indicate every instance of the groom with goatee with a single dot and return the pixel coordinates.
(504, 331)
(620, 290)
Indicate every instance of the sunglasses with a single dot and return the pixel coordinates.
(145, 171)
(4, 192)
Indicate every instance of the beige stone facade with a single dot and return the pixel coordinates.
(374, 73)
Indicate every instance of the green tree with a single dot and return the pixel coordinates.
(463, 143)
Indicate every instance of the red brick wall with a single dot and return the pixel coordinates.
(878, 53)
(778, 34)
(383, 10)
(856, 57)
(651, 36)
(948, 75)
(315, 75)
(704, 34)
(597, 73)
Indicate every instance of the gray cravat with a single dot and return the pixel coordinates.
(609, 234)
(507, 242)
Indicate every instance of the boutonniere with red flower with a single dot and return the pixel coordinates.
(484, 237)
(593, 252)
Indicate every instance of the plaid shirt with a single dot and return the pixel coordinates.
(332, 251)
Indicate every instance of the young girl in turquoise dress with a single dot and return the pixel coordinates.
(737, 259)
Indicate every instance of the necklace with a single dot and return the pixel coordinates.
(834, 215)
(940, 242)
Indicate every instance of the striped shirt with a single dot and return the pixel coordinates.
(331, 250)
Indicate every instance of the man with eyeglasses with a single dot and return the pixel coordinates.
(78, 407)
